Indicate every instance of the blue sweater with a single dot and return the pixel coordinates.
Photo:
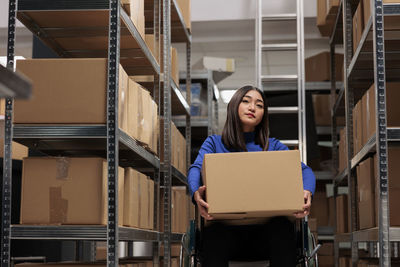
(213, 144)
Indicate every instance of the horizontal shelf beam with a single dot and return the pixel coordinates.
(79, 232)
(13, 85)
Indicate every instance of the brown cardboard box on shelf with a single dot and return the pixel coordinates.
(357, 127)
(392, 107)
(326, 249)
(144, 201)
(326, 261)
(332, 7)
(59, 82)
(136, 9)
(55, 191)
(358, 25)
(174, 65)
(319, 207)
(322, 113)
(318, 67)
(132, 199)
(366, 188)
(325, 21)
(185, 8)
(175, 250)
(150, 41)
(341, 214)
(364, 119)
(394, 186)
(342, 150)
(18, 151)
(366, 11)
(135, 112)
(344, 262)
(253, 200)
(2, 107)
(151, 203)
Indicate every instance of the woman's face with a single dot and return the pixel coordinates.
(251, 110)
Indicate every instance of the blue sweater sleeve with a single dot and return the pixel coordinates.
(194, 173)
(308, 175)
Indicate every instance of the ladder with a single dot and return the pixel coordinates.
(297, 79)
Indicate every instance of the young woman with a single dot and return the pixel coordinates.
(246, 129)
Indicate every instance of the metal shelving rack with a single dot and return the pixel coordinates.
(359, 68)
(13, 84)
(99, 140)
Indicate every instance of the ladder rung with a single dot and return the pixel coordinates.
(278, 17)
(290, 142)
(279, 78)
(279, 47)
(283, 110)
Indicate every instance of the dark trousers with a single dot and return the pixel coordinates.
(274, 241)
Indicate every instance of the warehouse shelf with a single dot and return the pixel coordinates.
(76, 140)
(373, 235)
(342, 237)
(340, 177)
(179, 29)
(337, 33)
(79, 232)
(80, 29)
(178, 176)
(323, 175)
(361, 67)
(13, 84)
(176, 237)
(393, 135)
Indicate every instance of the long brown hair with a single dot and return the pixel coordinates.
(232, 134)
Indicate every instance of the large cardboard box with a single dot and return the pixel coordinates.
(151, 203)
(342, 150)
(392, 107)
(132, 198)
(135, 112)
(185, 8)
(325, 21)
(144, 201)
(152, 45)
(394, 186)
(326, 249)
(2, 107)
(318, 67)
(320, 207)
(69, 91)
(358, 127)
(341, 214)
(366, 192)
(136, 8)
(322, 111)
(269, 189)
(67, 191)
(174, 65)
(366, 11)
(326, 261)
(357, 26)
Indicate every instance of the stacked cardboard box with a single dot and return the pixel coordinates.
(139, 200)
(342, 216)
(358, 25)
(312, 224)
(322, 112)
(185, 8)
(318, 67)
(180, 209)
(135, 8)
(366, 192)
(345, 262)
(342, 150)
(73, 91)
(364, 114)
(55, 191)
(326, 15)
(178, 148)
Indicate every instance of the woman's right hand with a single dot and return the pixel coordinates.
(201, 204)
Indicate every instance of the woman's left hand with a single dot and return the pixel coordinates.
(306, 206)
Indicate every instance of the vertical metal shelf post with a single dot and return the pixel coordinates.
(112, 133)
(301, 97)
(8, 135)
(157, 99)
(349, 105)
(381, 139)
(188, 129)
(167, 172)
(210, 83)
